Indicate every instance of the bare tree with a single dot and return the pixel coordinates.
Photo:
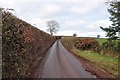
(52, 26)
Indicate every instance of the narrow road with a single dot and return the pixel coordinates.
(62, 64)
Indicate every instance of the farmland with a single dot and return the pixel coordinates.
(104, 61)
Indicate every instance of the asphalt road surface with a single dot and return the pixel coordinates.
(62, 64)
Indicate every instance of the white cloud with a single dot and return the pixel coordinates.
(74, 24)
(39, 9)
(8, 3)
(47, 10)
(83, 7)
(40, 23)
(91, 30)
(97, 24)
(73, 1)
(94, 28)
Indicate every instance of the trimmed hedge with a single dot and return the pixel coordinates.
(23, 46)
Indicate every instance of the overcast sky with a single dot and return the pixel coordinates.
(83, 17)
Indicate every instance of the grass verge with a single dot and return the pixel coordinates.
(107, 63)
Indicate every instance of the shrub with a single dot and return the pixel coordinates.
(111, 47)
(87, 44)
